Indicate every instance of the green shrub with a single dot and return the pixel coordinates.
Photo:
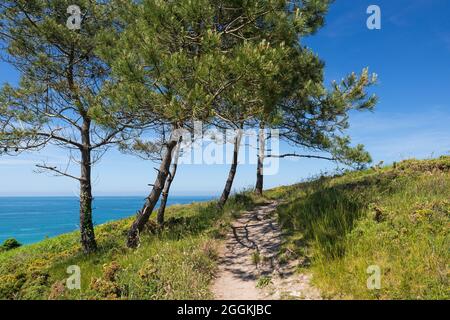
(10, 244)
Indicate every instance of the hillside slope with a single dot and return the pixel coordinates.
(176, 262)
(396, 218)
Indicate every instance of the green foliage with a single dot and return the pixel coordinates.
(313, 117)
(60, 74)
(394, 217)
(256, 258)
(10, 244)
(175, 262)
(263, 282)
(353, 156)
(236, 64)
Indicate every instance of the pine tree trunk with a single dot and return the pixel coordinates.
(260, 167)
(226, 191)
(152, 199)
(168, 183)
(86, 225)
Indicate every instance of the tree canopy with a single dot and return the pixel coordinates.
(60, 89)
(146, 69)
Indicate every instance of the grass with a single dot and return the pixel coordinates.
(263, 282)
(397, 218)
(177, 262)
(256, 258)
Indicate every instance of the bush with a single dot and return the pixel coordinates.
(10, 244)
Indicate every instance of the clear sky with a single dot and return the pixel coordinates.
(411, 55)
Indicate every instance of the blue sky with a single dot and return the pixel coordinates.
(411, 55)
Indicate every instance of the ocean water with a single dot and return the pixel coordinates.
(31, 219)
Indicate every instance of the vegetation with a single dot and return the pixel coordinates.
(263, 281)
(135, 69)
(59, 93)
(173, 262)
(10, 244)
(396, 217)
(151, 69)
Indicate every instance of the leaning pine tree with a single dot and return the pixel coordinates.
(162, 65)
(176, 61)
(276, 66)
(308, 115)
(59, 94)
(312, 120)
(155, 149)
(238, 108)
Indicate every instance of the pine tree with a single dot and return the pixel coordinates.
(309, 115)
(258, 67)
(313, 118)
(60, 91)
(179, 61)
(255, 104)
(162, 64)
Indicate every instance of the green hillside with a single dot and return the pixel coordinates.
(396, 217)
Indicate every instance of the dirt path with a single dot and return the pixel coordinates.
(250, 254)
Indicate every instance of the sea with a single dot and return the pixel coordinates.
(31, 219)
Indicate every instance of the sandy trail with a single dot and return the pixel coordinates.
(250, 252)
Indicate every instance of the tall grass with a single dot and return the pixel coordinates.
(397, 218)
(176, 262)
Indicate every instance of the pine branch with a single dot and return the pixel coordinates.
(57, 171)
(301, 156)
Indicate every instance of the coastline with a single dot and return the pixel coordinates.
(33, 219)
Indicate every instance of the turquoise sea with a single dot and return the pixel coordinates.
(31, 219)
